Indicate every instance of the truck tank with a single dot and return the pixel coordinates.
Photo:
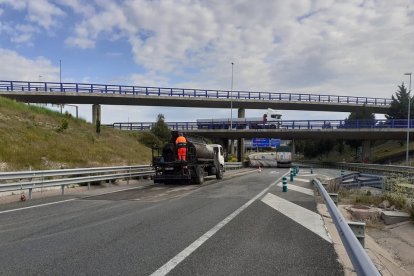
(195, 152)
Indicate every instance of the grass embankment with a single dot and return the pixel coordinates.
(39, 138)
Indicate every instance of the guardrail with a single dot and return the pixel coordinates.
(359, 258)
(42, 179)
(364, 168)
(35, 86)
(283, 124)
(358, 180)
(29, 180)
(233, 165)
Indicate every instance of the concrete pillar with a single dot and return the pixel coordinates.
(241, 112)
(366, 151)
(293, 148)
(225, 144)
(96, 113)
(240, 150)
(231, 142)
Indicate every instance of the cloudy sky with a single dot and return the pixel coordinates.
(360, 48)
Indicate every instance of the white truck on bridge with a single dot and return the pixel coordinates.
(270, 119)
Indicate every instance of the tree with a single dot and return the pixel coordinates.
(161, 130)
(399, 104)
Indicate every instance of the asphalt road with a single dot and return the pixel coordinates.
(219, 228)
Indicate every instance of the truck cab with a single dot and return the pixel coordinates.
(218, 150)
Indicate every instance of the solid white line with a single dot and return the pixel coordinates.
(67, 200)
(196, 244)
(314, 174)
(35, 206)
(298, 189)
(303, 216)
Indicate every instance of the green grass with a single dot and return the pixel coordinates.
(39, 138)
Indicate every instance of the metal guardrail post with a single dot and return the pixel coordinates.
(63, 189)
(362, 263)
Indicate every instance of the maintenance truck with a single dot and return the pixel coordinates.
(201, 160)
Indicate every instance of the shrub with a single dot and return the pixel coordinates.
(149, 139)
(64, 125)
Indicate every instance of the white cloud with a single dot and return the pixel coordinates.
(41, 12)
(303, 45)
(311, 46)
(26, 69)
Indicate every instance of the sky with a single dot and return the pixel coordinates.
(355, 48)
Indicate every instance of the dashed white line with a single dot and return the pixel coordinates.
(196, 244)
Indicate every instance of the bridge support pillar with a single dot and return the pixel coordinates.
(241, 113)
(240, 150)
(366, 151)
(96, 113)
(225, 144)
(293, 149)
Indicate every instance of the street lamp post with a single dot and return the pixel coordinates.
(60, 70)
(408, 121)
(231, 97)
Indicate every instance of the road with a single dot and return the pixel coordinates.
(238, 226)
(265, 159)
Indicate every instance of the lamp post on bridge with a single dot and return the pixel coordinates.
(407, 157)
(231, 97)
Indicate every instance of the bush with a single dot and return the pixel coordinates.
(64, 125)
(149, 139)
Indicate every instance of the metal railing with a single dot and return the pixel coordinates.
(362, 263)
(358, 180)
(283, 124)
(233, 165)
(364, 168)
(35, 86)
(29, 180)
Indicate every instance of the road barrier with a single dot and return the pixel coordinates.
(359, 258)
(29, 180)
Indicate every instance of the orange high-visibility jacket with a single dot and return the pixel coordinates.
(181, 141)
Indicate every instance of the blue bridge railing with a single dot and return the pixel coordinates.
(22, 86)
(284, 124)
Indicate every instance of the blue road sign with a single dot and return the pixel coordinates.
(265, 142)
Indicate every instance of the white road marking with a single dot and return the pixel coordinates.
(35, 206)
(302, 180)
(314, 174)
(303, 216)
(67, 200)
(196, 244)
(272, 172)
(298, 189)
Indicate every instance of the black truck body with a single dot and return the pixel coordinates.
(202, 160)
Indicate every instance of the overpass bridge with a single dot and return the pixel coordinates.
(290, 129)
(364, 130)
(107, 94)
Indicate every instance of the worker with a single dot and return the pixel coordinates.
(181, 143)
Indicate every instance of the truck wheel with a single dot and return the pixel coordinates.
(219, 174)
(199, 175)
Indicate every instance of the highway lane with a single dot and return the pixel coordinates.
(137, 232)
